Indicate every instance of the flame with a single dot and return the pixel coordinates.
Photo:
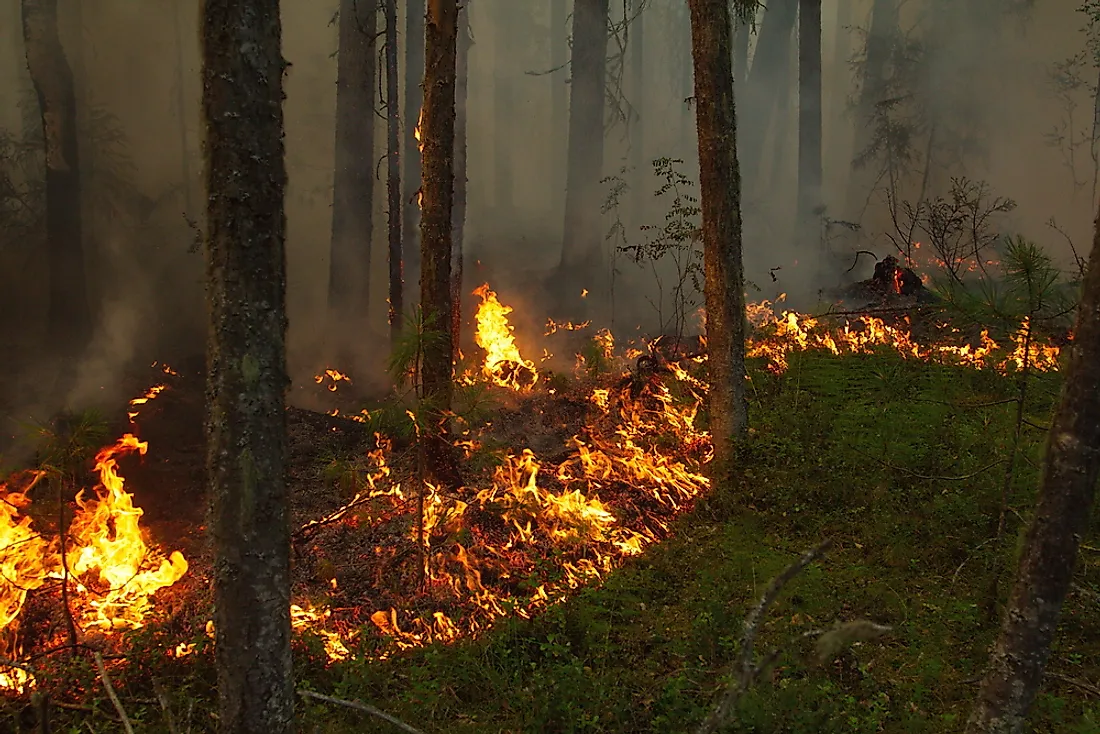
(504, 364)
(417, 129)
(335, 376)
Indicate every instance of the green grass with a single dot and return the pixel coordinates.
(862, 450)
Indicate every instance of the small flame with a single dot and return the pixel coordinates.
(504, 364)
(335, 377)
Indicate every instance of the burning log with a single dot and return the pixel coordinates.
(890, 285)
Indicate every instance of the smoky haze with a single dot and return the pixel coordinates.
(137, 70)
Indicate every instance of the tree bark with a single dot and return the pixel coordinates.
(767, 81)
(437, 187)
(246, 363)
(720, 188)
(393, 177)
(414, 97)
(69, 319)
(559, 110)
(809, 125)
(353, 183)
(458, 214)
(582, 255)
(1066, 493)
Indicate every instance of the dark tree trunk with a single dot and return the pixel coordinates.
(582, 255)
(505, 69)
(393, 176)
(437, 187)
(69, 320)
(1066, 494)
(246, 363)
(637, 132)
(809, 124)
(353, 184)
(559, 109)
(414, 96)
(767, 82)
(880, 38)
(720, 188)
(458, 214)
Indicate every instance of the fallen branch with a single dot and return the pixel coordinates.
(929, 477)
(332, 517)
(112, 695)
(362, 707)
(1083, 685)
(723, 710)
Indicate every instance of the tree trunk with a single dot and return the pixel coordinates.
(246, 363)
(69, 320)
(393, 177)
(458, 215)
(504, 106)
(181, 110)
(353, 184)
(637, 132)
(720, 188)
(559, 110)
(414, 96)
(809, 125)
(1066, 493)
(767, 81)
(687, 78)
(880, 38)
(437, 131)
(582, 262)
(741, 40)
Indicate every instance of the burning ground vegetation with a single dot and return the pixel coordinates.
(567, 475)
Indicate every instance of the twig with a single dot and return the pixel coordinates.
(928, 477)
(722, 711)
(162, 697)
(70, 625)
(362, 707)
(1083, 685)
(112, 695)
(332, 517)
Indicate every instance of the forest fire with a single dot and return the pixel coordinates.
(504, 364)
(108, 569)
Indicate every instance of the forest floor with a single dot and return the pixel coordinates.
(900, 462)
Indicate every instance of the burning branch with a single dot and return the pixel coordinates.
(362, 707)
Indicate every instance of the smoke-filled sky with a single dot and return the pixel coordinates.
(130, 59)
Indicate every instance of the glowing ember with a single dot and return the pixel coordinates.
(504, 365)
(335, 377)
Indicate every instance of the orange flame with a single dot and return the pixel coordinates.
(504, 364)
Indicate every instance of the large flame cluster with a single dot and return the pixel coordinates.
(109, 570)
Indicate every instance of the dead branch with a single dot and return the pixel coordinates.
(931, 478)
(362, 707)
(162, 697)
(1083, 685)
(723, 710)
(314, 525)
(112, 695)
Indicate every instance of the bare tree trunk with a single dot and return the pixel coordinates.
(559, 110)
(637, 132)
(414, 96)
(504, 106)
(880, 38)
(582, 262)
(767, 82)
(458, 215)
(393, 176)
(809, 124)
(69, 320)
(247, 379)
(720, 187)
(687, 80)
(353, 184)
(1066, 494)
(438, 136)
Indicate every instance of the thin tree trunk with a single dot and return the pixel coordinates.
(437, 187)
(353, 184)
(181, 110)
(582, 263)
(768, 80)
(720, 188)
(458, 215)
(637, 132)
(504, 106)
(880, 38)
(1066, 493)
(69, 321)
(247, 379)
(559, 104)
(393, 176)
(414, 96)
(687, 80)
(741, 40)
(809, 124)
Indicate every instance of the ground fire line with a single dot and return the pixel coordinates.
(525, 532)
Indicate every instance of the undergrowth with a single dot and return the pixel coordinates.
(899, 462)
